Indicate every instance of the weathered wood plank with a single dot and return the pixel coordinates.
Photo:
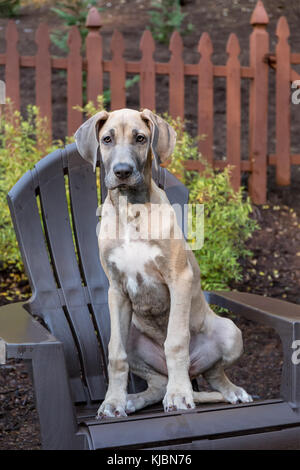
(294, 158)
(258, 105)
(283, 164)
(117, 72)
(43, 75)
(147, 72)
(176, 77)
(94, 53)
(74, 80)
(206, 97)
(233, 110)
(12, 67)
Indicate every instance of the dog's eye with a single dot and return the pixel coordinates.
(140, 138)
(107, 139)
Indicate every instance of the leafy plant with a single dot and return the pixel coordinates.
(22, 143)
(35, 3)
(185, 149)
(72, 12)
(165, 18)
(9, 8)
(227, 227)
(90, 108)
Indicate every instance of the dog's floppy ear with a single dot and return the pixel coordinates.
(86, 137)
(163, 136)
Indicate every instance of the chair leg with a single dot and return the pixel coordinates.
(290, 380)
(53, 398)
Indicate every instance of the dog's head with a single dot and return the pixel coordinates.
(126, 139)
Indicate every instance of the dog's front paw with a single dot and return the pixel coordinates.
(178, 400)
(111, 408)
(236, 394)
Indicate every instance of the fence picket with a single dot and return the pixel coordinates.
(258, 105)
(43, 74)
(118, 73)
(94, 52)
(12, 67)
(233, 110)
(283, 163)
(74, 80)
(147, 72)
(206, 97)
(176, 77)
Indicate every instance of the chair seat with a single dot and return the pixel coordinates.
(202, 428)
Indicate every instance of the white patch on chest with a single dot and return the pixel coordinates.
(131, 258)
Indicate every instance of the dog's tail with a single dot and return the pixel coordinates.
(208, 397)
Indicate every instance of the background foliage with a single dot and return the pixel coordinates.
(165, 17)
(72, 12)
(23, 142)
(9, 8)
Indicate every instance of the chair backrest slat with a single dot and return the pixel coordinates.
(84, 204)
(45, 301)
(56, 215)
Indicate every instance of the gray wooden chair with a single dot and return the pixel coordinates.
(69, 354)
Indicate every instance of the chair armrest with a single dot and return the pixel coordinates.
(255, 307)
(22, 337)
(20, 333)
(284, 317)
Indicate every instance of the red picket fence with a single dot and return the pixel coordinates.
(257, 72)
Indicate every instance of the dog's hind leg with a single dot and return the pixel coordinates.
(154, 393)
(218, 380)
(212, 354)
(156, 389)
(208, 397)
(156, 386)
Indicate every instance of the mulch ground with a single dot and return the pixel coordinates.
(274, 269)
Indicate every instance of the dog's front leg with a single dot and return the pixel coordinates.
(179, 394)
(120, 316)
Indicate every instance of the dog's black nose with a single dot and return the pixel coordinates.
(123, 170)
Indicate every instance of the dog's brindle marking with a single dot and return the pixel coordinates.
(161, 324)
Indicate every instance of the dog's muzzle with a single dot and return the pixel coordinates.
(123, 170)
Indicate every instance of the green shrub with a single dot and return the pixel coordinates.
(227, 226)
(9, 8)
(18, 153)
(89, 109)
(165, 18)
(72, 13)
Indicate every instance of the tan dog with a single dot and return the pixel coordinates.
(161, 325)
